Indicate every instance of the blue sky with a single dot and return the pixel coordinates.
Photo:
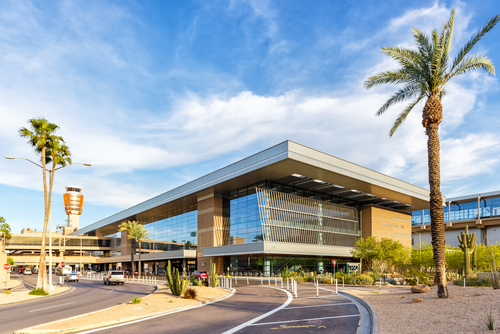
(157, 93)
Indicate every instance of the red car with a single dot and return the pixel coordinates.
(201, 274)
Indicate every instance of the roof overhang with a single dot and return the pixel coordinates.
(290, 163)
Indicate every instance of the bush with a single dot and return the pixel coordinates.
(38, 292)
(392, 281)
(190, 293)
(327, 280)
(194, 281)
(423, 278)
(136, 300)
(309, 278)
(300, 279)
(474, 282)
(286, 273)
(362, 280)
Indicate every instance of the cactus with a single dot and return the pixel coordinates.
(213, 275)
(175, 283)
(468, 245)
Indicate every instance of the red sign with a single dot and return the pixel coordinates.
(334, 262)
(6, 266)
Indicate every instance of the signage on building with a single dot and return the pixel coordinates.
(203, 264)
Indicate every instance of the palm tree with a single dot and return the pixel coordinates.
(40, 137)
(129, 227)
(140, 234)
(425, 73)
(5, 232)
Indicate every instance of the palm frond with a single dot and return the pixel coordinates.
(470, 44)
(393, 77)
(401, 95)
(404, 114)
(474, 63)
(405, 57)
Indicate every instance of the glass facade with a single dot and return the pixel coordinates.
(58, 241)
(268, 211)
(274, 264)
(464, 211)
(172, 233)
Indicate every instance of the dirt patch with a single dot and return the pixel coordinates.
(160, 301)
(464, 312)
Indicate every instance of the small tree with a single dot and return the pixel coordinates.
(5, 232)
(10, 261)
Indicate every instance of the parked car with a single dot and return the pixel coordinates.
(117, 277)
(72, 277)
(21, 270)
(203, 275)
(27, 271)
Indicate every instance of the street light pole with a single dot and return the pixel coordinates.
(50, 210)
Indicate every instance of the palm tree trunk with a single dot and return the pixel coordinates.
(132, 251)
(42, 277)
(432, 118)
(139, 258)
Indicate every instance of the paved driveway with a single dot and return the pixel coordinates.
(257, 309)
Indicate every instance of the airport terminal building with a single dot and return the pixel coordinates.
(288, 205)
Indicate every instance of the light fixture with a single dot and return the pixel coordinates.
(7, 157)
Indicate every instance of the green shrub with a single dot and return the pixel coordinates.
(286, 273)
(474, 282)
(194, 281)
(423, 278)
(190, 293)
(362, 280)
(38, 292)
(300, 279)
(309, 278)
(136, 300)
(327, 280)
(392, 281)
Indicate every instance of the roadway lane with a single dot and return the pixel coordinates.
(330, 313)
(89, 296)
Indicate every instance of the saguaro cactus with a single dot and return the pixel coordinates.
(468, 245)
(176, 284)
(214, 280)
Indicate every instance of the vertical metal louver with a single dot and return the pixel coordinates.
(295, 219)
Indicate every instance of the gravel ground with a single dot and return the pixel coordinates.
(464, 312)
(20, 296)
(160, 301)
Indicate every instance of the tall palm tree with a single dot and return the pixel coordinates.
(424, 73)
(129, 227)
(140, 235)
(5, 232)
(39, 136)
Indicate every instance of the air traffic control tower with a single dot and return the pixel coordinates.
(73, 205)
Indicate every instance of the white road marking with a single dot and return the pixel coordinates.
(289, 308)
(250, 322)
(109, 291)
(333, 295)
(288, 321)
(155, 316)
(51, 307)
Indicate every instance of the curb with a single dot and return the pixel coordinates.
(34, 300)
(368, 325)
(118, 321)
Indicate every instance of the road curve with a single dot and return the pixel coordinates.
(88, 296)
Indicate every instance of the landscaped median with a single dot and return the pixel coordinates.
(157, 303)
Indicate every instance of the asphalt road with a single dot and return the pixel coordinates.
(330, 313)
(89, 296)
